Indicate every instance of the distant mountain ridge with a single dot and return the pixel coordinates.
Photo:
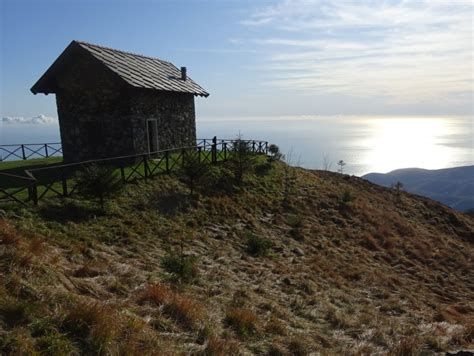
(451, 186)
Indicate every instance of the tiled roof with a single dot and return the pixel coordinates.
(142, 71)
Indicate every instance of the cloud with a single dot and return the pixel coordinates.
(36, 120)
(403, 51)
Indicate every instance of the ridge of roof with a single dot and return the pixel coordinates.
(121, 51)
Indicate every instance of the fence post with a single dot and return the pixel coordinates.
(122, 171)
(214, 150)
(199, 154)
(46, 150)
(266, 148)
(64, 181)
(224, 148)
(167, 161)
(183, 152)
(23, 151)
(145, 165)
(33, 193)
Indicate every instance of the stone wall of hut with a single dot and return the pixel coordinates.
(100, 116)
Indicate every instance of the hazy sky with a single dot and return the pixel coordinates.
(261, 57)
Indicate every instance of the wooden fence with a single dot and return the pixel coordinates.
(59, 180)
(25, 151)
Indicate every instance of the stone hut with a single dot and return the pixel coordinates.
(114, 103)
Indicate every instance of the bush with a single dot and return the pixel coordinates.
(182, 267)
(295, 221)
(346, 198)
(98, 182)
(241, 159)
(13, 312)
(275, 154)
(193, 172)
(243, 321)
(262, 169)
(257, 246)
(219, 179)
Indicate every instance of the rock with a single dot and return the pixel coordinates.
(297, 251)
(287, 281)
(460, 353)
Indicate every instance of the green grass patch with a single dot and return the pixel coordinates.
(20, 165)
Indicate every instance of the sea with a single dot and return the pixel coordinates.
(364, 144)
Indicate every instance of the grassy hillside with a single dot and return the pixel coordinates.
(292, 262)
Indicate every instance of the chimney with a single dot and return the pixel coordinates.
(183, 73)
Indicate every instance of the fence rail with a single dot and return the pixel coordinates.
(59, 180)
(25, 151)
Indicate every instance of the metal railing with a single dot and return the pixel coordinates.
(25, 151)
(59, 180)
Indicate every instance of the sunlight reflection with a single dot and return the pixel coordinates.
(407, 142)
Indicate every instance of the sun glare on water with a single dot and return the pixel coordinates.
(407, 142)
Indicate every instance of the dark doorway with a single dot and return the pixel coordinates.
(152, 132)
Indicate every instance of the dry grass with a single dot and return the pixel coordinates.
(376, 274)
(187, 312)
(92, 323)
(8, 236)
(156, 293)
(216, 346)
(243, 321)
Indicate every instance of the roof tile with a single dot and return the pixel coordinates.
(144, 72)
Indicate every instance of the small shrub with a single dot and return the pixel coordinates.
(13, 312)
(297, 348)
(183, 268)
(241, 159)
(276, 350)
(341, 165)
(295, 221)
(275, 154)
(257, 246)
(346, 198)
(243, 321)
(55, 343)
(98, 182)
(398, 187)
(219, 179)
(193, 172)
(289, 179)
(262, 169)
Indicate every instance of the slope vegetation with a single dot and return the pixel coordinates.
(292, 262)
